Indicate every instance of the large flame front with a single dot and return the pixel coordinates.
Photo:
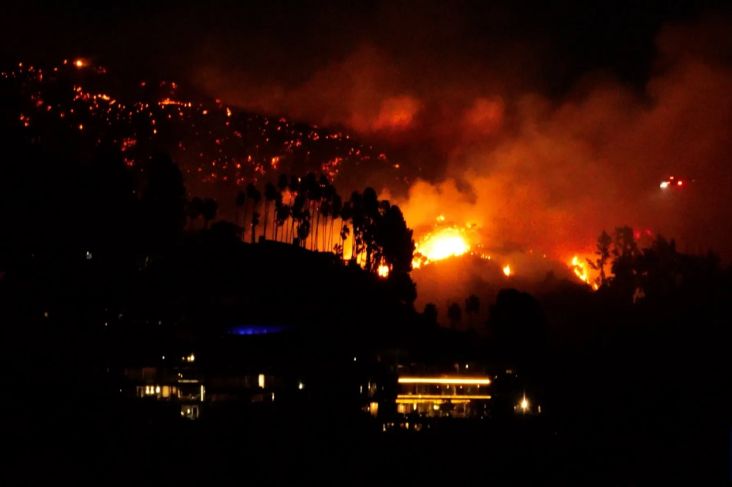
(444, 243)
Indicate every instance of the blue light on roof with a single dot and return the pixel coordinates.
(247, 330)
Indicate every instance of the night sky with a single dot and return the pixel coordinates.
(287, 41)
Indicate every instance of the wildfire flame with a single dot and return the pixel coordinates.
(507, 270)
(582, 270)
(447, 242)
(383, 270)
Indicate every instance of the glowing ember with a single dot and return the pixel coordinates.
(447, 242)
(218, 150)
(383, 270)
(507, 270)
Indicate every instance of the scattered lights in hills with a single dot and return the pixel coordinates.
(213, 143)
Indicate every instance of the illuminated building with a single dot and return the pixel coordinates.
(171, 385)
(443, 396)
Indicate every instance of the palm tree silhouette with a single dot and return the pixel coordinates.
(345, 231)
(298, 211)
(311, 189)
(270, 194)
(255, 222)
(282, 213)
(240, 202)
(370, 218)
(282, 185)
(294, 189)
(335, 213)
(357, 224)
(303, 229)
(256, 197)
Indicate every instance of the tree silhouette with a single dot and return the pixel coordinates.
(430, 314)
(369, 223)
(209, 209)
(402, 286)
(298, 213)
(240, 201)
(346, 216)
(310, 189)
(282, 210)
(454, 314)
(270, 195)
(624, 266)
(356, 212)
(472, 305)
(336, 209)
(660, 268)
(603, 254)
(254, 195)
(280, 215)
(344, 233)
(303, 227)
(379, 234)
(255, 222)
(395, 240)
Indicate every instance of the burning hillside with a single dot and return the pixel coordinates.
(218, 146)
(495, 204)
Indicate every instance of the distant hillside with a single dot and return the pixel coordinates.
(219, 148)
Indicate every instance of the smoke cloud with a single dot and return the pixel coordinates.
(483, 140)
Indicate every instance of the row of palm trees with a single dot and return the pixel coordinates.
(309, 212)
